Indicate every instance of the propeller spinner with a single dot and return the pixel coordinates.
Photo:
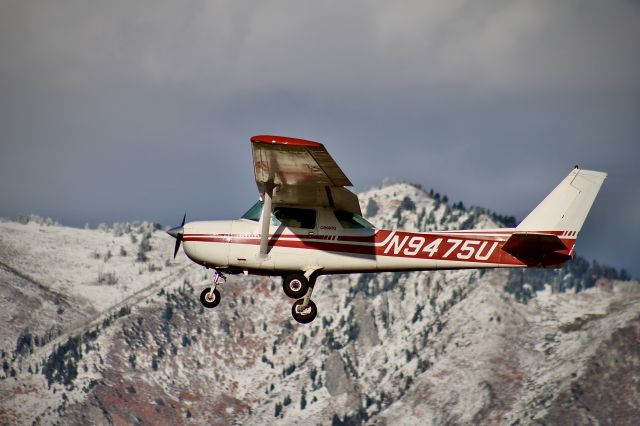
(177, 233)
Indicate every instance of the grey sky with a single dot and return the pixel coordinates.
(120, 110)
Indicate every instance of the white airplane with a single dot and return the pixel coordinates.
(307, 224)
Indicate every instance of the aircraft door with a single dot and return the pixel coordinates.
(293, 232)
(354, 247)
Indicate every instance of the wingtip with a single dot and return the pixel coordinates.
(283, 140)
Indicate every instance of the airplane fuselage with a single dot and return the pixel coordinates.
(329, 248)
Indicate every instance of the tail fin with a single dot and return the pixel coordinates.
(547, 236)
(566, 207)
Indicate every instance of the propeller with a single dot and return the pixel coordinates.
(177, 233)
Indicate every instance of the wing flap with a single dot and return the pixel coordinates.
(318, 196)
(330, 167)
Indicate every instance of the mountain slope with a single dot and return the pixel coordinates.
(135, 346)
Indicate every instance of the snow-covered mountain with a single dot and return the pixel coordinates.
(104, 327)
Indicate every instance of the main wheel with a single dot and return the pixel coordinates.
(295, 285)
(304, 315)
(209, 300)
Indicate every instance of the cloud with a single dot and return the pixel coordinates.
(223, 47)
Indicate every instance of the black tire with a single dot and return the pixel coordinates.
(210, 303)
(307, 315)
(295, 285)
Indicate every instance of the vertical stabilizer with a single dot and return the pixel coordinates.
(566, 207)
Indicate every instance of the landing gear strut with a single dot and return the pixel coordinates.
(303, 310)
(210, 296)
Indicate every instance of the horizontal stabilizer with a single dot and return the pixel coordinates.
(537, 249)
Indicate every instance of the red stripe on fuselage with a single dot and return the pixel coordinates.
(447, 246)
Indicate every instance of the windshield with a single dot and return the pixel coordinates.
(254, 212)
(351, 220)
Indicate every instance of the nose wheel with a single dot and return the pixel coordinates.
(210, 296)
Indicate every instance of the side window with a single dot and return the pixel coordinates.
(295, 218)
(351, 220)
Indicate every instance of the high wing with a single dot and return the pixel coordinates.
(301, 172)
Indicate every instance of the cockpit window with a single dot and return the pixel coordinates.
(351, 220)
(254, 212)
(294, 218)
(288, 216)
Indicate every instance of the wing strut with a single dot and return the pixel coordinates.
(265, 220)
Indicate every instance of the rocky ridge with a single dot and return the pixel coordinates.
(103, 327)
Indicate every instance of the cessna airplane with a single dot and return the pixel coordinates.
(307, 224)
